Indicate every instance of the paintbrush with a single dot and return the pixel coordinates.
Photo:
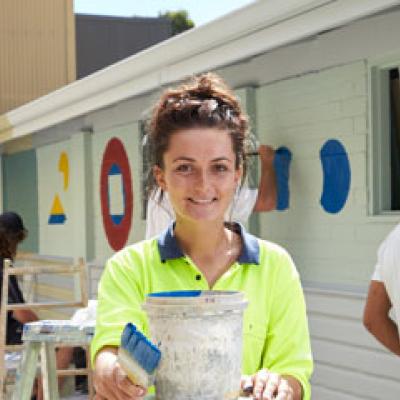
(138, 357)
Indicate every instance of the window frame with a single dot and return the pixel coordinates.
(379, 139)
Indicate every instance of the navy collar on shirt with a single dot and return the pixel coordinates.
(169, 248)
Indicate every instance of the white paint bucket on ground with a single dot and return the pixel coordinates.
(200, 336)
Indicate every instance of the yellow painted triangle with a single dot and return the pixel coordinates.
(57, 207)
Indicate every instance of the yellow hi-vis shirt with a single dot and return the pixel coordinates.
(275, 326)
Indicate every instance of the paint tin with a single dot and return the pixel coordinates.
(200, 336)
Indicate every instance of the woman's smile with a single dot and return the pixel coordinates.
(202, 201)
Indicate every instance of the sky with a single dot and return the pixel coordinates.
(200, 11)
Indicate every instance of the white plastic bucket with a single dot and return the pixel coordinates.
(200, 336)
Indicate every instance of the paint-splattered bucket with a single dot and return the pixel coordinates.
(200, 336)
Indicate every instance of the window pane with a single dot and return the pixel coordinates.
(395, 138)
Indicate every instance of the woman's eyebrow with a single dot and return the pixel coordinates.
(221, 159)
(183, 158)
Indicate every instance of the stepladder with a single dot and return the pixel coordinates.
(41, 339)
(70, 272)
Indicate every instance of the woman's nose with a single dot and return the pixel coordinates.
(202, 180)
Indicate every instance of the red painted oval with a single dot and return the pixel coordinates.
(115, 153)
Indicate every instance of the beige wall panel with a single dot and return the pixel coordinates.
(130, 138)
(55, 197)
(37, 49)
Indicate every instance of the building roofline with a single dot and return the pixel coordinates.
(243, 33)
(116, 18)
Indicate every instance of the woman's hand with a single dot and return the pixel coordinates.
(110, 381)
(266, 385)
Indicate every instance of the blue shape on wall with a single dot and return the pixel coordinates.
(56, 219)
(336, 176)
(282, 159)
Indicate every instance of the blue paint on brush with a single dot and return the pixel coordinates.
(177, 293)
(141, 349)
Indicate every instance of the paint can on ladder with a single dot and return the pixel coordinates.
(200, 336)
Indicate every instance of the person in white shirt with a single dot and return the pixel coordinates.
(160, 213)
(382, 309)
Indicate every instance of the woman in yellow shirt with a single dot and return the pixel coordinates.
(198, 136)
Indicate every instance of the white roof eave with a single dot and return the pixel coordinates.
(259, 27)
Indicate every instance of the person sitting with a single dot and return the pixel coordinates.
(12, 233)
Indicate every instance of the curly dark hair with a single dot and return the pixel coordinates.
(204, 101)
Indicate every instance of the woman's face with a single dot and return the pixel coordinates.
(199, 174)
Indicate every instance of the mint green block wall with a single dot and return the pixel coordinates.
(302, 113)
(20, 192)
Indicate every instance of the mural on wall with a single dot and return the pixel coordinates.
(116, 194)
(282, 159)
(63, 167)
(336, 175)
(57, 213)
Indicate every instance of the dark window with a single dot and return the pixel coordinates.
(394, 90)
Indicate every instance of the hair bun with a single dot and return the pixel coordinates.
(205, 83)
(209, 85)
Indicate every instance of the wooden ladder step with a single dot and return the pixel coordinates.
(33, 306)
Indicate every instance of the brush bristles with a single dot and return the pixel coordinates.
(138, 354)
(134, 371)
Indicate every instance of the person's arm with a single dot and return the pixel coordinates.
(25, 316)
(15, 296)
(267, 195)
(120, 295)
(287, 348)
(377, 320)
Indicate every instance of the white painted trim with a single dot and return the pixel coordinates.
(255, 29)
(379, 187)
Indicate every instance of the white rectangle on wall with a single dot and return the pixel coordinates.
(116, 194)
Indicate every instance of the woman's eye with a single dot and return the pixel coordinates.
(184, 168)
(220, 168)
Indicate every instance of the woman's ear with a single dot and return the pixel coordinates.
(159, 177)
(238, 175)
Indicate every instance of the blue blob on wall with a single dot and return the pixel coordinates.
(336, 176)
(282, 159)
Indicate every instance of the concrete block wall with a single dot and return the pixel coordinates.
(302, 113)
